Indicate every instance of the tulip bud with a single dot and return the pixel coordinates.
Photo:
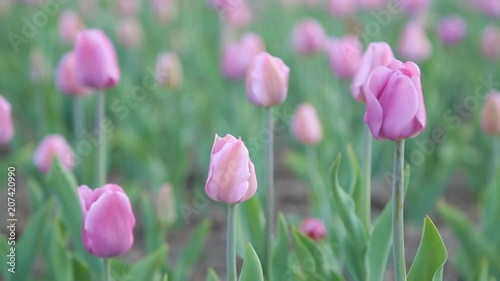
(306, 125)
(129, 33)
(108, 221)
(237, 56)
(345, 56)
(128, 7)
(70, 24)
(308, 37)
(415, 6)
(40, 66)
(231, 176)
(6, 126)
(413, 43)
(238, 14)
(314, 228)
(490, 8)
(491, 114)
(267, 80)
(165, 10)
(490, 42)
(96, 60)
(452, 30)
(169, 70)
(66, 77)
(53, 146)
(395, 106)
(341, 8)
(377, 54)
(165, 205)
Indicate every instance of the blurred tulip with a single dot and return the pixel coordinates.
(6, 125)
(40, 66)
(128, 7)
(306, 125)
(308, 37)
(96, 60)
(415, 6)
(70, 24)
(88, 8)
(169, 70)
(53, 146)
(238, 14)
(237, 56)
(267, 80)
(5, 6)
(165, 205)
(377, 54)
(491, 114)
(490, 42)
(341, 8)
(314, 228)
(108, 221)
(413, 43)
(345, 56)
(372, 4)
(490, 8)
(231, 176)
(66, 77)
(395, 106)
(452, 30)
(165, 10)
(129, 33)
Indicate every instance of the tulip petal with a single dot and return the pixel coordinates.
(252, 183)
(84, 195)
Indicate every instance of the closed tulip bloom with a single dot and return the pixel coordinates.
(169, 70)
(165, 205)
(415, 6)
(395, 106)
(231, 176)
(306, 125)
(490, 42)
(341, 8)
(165, 10)
(491, 114)
(238, 14)
(96, 60)
(6, 125)
(40, 66)
(66, 78)
(70, 24)
(308, 37)
(53, 146)
(490, 8)
(314, 228)
(237, 56)
(413, 43)
(452, 30)
(377, 54)
(128, 7)
(345, 56)
(267, 80)
(108, 221)
(372, 4)
(129, 33)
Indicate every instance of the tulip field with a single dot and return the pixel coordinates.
(250, 140)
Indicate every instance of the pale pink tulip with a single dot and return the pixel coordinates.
(53, 146)
(66, 77)
(6, 124)
(414, 43)
(490, 8)
(128, 7)
(490, 42)
(237, 56)
(169, 70)
(308, 37)
(306, 125)
(70, 24)
(129, 33)
(341, 8)
(314, 228)
(415, 6)
(238, 14)
(491, 114)
(345, 56)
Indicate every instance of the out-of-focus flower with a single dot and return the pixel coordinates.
(53, 146)
(414, 43)
(96, 60)
(452, 30)
(314, 228)
(341, 8)
(415, 6)
(490, 42)
(238, 14)
(128, 7)
(66, 78)
(395, 106)
(40, 66)
(490, 8)
(308, 37)
(372, 4)
(5, 6)
(267, 80)
(129, 33)
(345, 56)
(491, 114)
(165, 10)
(306, 125)
(165, 205)
(108, 221)
(6, 124)
(70, 23)
(231, 176)
(237, 56)
(169, 70)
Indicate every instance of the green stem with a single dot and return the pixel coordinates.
(318, 199)
(78, 124)
(231, 243)
(101, 143)
(106, 262)
(397, 215)
(495, 160)
(269, 173)
(367, 171)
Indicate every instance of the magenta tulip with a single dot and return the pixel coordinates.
(53, 146)
(231, 176)
(108, 221)
(314, 228)
(70, 24)
(237, 56)
(490, 42)
(66, 78)
(452, 30)
(345, 56)
(491, 114)
(308, 37)
(413, 43)
(6, 125)
(306, 125)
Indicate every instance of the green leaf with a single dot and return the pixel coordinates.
(147, 268)
(36, 194)
(482, 274)
(60, 260)
(252, 269)
(212, 276)
(492, 211)
(280, 251)
(152, 232)
(81, 270)
(431, 255)
(250, 226)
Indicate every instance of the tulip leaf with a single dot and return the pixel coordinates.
(60, 260)
(151, 230)
(81, 270)
(431, 255)
(250, 225)
(252, 269)
(36, 194)
(482, 273)
(212, 276)
(492, 211)
(280, 250)
(148, 267)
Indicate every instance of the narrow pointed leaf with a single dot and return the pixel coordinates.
(148, 267)
(252, 269)
(280, 251)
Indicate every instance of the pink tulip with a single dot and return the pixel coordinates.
(341, 8)
(413, 43)
(377, 54)
(488, 7)
(231, 176)
(129, 33)
(6, 125)
(237, 56)
(238, 14)
(169, 70)
(491, 114)
(267, 80)
(415, 6)
(70, 24)
(41, 68)
(372, 4)
(345, 56)
(108, 221)
(53, 146)
(128, 7)
(66, 77)
(395, 106)
(165, 205)
(314, 228)
(306, 125)
(490, 42)
(165, 10)
(308, 37)
(96, 60)
(452, 30)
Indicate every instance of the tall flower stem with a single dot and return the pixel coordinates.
(101, 143)
(106, 262)
(397, 215)
(367, 172)
(231, 243)
(269, 174)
